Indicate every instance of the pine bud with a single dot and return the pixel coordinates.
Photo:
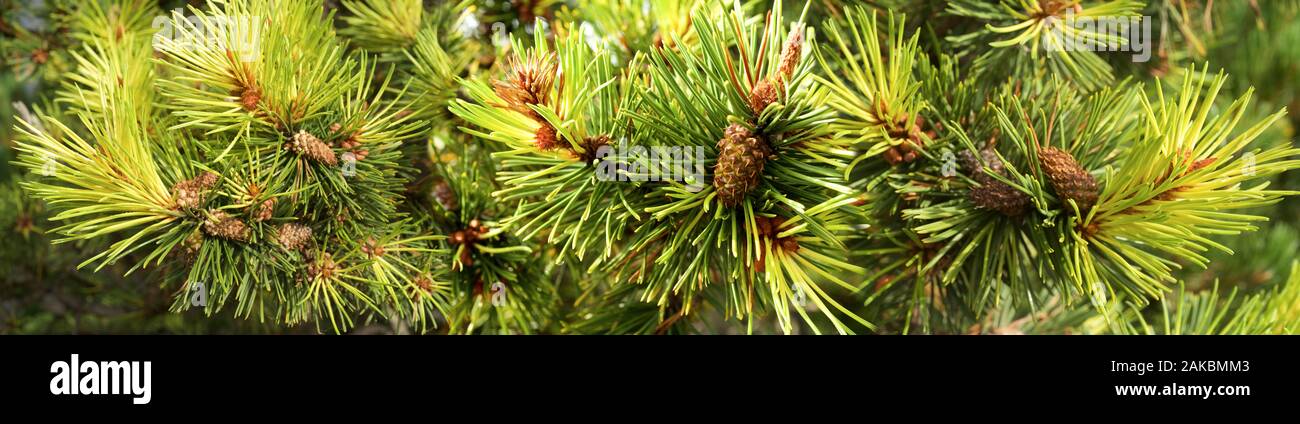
(590, 146)
(249, 97)
(192, 244)
(352, 141)
(546, 138)
(769, 230)
(222, 225)
(424, 283)
(293, 236)
(792, 53)
(305, 144)
(741, 157)
(1070, 180)
(528, 82)
(372, 248)
(763, 94)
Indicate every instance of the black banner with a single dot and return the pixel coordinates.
(190, 373)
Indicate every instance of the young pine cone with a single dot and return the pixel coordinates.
(305, 144)
(1070, 180)
(992, 194)
(973, 166)
(995, 195)
(293, 236)
(324, 267)
(741, 157)
(265, 210)
(192, 244)
(222, 225)
(189, 193)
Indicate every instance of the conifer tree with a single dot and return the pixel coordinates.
(660, 167)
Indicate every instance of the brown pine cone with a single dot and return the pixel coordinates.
(741, 157)
(266, 210)
(992, 194)
(1070, 180)
(972, 165)
(293, 236)
(222, 225)
(189, 193)
(305, 144)
(998, 196)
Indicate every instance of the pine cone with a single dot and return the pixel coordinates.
(990, 193)
(192, 245)
(189, 193)
(1069, 179)
(265, 210)
(222, 225)
(995, 195)
(323, 267)
(305, 144)
(741, 158)
(293, 236)
(972, 165)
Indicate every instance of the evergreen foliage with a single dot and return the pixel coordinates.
(466, 166)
